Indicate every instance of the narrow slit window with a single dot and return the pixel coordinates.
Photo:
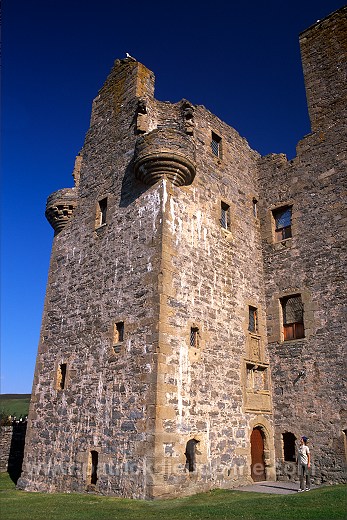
(101, 213)
(118, 332)
(194, 337)
(255, 207)
(216, 145)
(61, 376)
(252, 319)
(225, 218)
(293, 317)
(283, 223)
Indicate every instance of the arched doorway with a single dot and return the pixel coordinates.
(94, 456)
(257, 454)
(190, 454)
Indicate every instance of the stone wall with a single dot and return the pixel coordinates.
(12, 441)
(5, 446)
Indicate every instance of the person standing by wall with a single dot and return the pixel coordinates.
(304, 465)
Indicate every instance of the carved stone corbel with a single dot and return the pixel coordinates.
(188, 117)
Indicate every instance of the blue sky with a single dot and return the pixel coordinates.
(241, 60)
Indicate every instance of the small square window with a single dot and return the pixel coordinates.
(283, 223)
(216, 145)
(252, 319)
(293, 317)
(101, 213)
(225, 218)
(194, 337)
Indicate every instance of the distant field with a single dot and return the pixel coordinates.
(14, 404)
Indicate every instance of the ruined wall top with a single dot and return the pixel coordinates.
(324, 54)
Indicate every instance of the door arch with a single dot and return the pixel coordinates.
(257, 455)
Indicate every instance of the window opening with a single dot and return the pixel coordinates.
(94, 470)
(283, 223)
(101, 212)
(225, 219)
(190, 454)
(194, 337)
(118, 332)
(289, 446)
(252, 319)
(255, 207)
(216, 145)
(293, 317)
(61, 376)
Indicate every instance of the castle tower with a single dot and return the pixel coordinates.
(178, 265)
(146, 350)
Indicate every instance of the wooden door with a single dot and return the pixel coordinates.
(257, 454)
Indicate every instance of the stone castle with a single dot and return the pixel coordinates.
(193, 326)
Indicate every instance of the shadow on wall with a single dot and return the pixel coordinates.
(132, 188)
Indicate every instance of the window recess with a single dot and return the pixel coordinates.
(61, 376)
(225, 216)
(194, 337)
(216, 145)
(293, 317)
(255, 207)
(252, 319)
(118, 332)
(283, 223)
(101, 213)
(118, 336)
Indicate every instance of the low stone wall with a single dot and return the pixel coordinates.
(12, 441)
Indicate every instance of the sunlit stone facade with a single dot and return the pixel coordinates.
(193, 325)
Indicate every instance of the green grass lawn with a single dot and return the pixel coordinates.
(326, 503)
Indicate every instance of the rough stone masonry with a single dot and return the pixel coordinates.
(194, 322)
